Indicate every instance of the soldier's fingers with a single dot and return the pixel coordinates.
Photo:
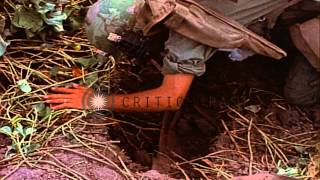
(57, 96)
(57, 101)
(62, 106)
(62, 90)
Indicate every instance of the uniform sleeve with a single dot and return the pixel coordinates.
(185, 55)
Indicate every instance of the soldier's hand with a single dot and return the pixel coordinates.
(69, 98)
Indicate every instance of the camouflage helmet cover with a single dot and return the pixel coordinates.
(106, 17)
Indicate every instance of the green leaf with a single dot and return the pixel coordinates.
(6, 130)
(3, 46)
(290, 171)
(19, 129)
(303, 161)
(29, 131)
(300, 149)
(281, 171)
(39, 107)
(89, 80)
(43, 7)
(69, 10)
(31, 148)
(50, 14)
(42, 109)
(74, 20)
(75, 23)
(45, 113)
(86, 62)
(27, 19)
(56, 20)
(24, 86)
(102, 59)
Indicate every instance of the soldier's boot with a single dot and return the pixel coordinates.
(303, 83)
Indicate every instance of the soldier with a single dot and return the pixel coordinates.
(197, 30)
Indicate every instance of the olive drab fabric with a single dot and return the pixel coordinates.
(248, 12)
(203, 25)
(306, 37)
(108, 16)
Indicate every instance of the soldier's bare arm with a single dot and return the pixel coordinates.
(168, 97)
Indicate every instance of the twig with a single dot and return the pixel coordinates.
(230, 135)
(78, 175)
(250, 148)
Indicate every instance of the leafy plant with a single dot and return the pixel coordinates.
(42, 110)
(24, 86)
(19, 135)
(32, 67)
(22, 129)
(37, 16)
(3, 43)
(3, 46)
(290, 172)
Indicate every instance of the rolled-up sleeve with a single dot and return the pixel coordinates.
(185, 55)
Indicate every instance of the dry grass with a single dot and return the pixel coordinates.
(278, 136)
(35, 60)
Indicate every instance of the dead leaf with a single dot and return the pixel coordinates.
(27, 19)
(76, 72)
(86, 62)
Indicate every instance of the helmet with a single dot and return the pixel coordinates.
(107, 18)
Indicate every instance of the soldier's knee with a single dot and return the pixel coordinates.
(303, 83)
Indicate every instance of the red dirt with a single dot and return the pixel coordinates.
(71, 157)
